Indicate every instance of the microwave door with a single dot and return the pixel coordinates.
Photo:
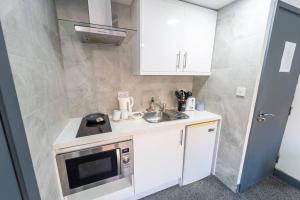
(85, 169)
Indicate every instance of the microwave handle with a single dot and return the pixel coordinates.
(118, 151)
(89, 151)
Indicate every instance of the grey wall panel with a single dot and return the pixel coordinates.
(238, 51)
(33, 45)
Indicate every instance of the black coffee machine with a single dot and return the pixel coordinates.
(182, 96)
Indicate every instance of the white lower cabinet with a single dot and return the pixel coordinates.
(199, 151)
(166, 157)
(158, 159)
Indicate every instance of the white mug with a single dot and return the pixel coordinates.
(124, 114)
(116, 116)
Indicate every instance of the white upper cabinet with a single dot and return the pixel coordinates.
(161, 26)
(199, 36)
(174, 38)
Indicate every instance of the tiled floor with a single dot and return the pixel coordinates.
(212, 189)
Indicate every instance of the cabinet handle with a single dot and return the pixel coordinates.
(178, 60)
(181, 137)
(185, 58)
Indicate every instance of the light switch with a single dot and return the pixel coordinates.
(241, 91)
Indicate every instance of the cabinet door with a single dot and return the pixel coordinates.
(199, 34)
(158, 159)
(199, 151)
(161, 29)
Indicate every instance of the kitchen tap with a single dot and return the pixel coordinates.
(161, 107)
(156, 107)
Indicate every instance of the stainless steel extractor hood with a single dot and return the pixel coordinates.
(100, 29)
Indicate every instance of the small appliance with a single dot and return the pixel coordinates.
(92, 124)
(87, 168)
(190, 104)
(126, 103)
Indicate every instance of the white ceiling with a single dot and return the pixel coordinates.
(213, 4)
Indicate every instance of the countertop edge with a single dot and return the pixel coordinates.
(73, 125)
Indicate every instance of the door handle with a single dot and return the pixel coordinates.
(118, 151)
(178, 60)
(181, 137)
(263, 116)
(185, 59)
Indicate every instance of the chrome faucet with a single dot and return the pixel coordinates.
(161, 107)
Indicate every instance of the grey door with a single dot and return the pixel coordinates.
(276, 93)
(9, 188)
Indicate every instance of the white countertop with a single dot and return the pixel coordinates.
(126, 128)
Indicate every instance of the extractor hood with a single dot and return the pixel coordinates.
(101, 28)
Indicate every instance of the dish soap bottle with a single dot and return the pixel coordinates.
(152, 106)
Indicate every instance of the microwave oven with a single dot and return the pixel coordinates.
(87, 168)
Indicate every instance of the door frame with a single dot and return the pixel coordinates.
(279, 5)
(14, 129)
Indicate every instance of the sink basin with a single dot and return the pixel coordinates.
(168, 115)
(156, 117)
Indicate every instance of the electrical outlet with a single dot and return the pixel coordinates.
(241, 91)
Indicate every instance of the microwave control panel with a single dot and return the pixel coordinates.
(125, 156)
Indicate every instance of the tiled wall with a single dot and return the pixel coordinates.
(240, 33)
(32, 40)
(95, 73)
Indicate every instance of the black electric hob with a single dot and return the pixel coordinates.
(88, 128)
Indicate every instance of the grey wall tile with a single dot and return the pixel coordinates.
(238, 49)
(33, 44)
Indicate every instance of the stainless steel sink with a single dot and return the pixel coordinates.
(167, 115)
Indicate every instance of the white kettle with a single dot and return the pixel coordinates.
(126, 103)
